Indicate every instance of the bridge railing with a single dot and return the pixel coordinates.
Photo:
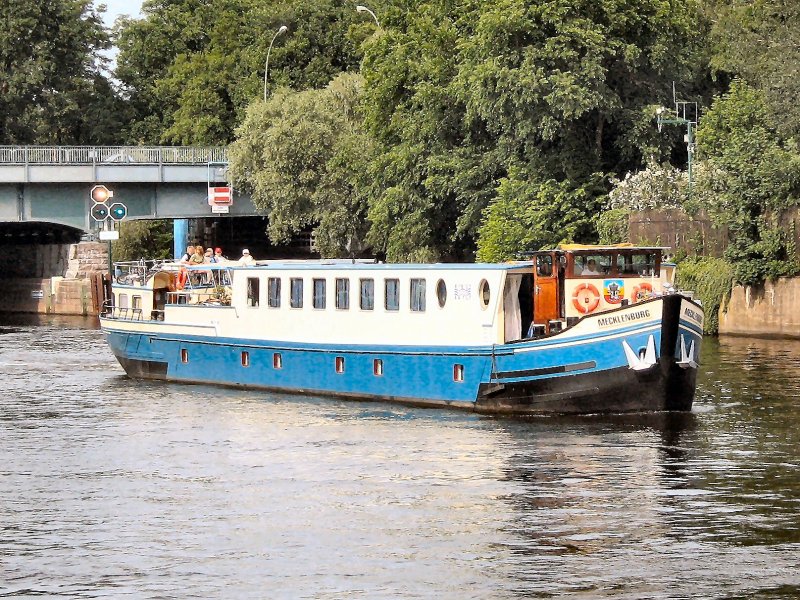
(92, 155)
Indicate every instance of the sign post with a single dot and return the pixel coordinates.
(106, 215)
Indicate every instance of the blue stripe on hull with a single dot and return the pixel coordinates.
(410, 373)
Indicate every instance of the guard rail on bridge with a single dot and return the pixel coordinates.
(113, 164)
(91, 155)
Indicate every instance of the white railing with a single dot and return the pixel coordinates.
(92, 155)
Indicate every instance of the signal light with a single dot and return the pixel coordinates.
(99, 212)
(101, 193)
(118, 211)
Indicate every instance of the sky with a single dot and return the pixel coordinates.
(114, 8)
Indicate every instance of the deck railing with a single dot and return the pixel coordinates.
(92, 155)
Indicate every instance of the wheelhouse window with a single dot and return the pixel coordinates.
(592, 265)
(319, 293)
(274, 292)
(417, 302)
(296, 296)
(637, 264)
(252, 291)
(367, 301)
(392, 294)
(342, 294)
(544, 265)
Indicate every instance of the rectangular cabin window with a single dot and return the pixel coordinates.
(637, 264)
(592, 265)
(340, 364)
(544, 265)
(137, 303)
(342, 294)
(367, 294)
(392, 291)
(274, 292)
(245, 359)
(296, 299)
(377, 367)
(277, 361)
(252, 291)
(458, 373)
(184, 355)
(319, 293)
(122, 301)
(418, 295)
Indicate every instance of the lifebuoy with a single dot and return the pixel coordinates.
(183, 277)
(585, 298)
(641, 292)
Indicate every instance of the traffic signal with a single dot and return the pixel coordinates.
(118, 211)
(101, 193)
(99, 212)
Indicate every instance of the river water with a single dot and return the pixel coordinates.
(111, 487)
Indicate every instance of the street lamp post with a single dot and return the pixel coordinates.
(281, 30)
(361, 8)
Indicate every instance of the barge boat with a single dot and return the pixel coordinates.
(577, 329)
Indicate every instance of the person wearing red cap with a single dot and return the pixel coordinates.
(218, 258)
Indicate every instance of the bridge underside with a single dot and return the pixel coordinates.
(69, 203)
(31, 233)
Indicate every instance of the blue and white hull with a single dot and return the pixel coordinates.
(640, 357)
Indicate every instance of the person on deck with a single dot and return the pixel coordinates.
(591, 268)
(189, 252)
(197, 258)
(218, 258)
(246, 260)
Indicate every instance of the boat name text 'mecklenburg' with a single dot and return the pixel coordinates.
(624, 318)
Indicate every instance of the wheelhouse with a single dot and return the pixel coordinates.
(573, 281)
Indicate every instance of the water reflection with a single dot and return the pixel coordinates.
(114, 487)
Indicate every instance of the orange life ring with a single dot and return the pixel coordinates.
(641, 292)
(183, 277)
(585, 298)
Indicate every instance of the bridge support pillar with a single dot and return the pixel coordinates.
(180, 234)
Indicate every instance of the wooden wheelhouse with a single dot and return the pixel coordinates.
(573, 281)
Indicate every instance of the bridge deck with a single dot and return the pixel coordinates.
(118, 164)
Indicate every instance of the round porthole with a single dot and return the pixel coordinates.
(485, 293)
(441, 292)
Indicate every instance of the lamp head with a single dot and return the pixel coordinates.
(283, 29)
(361, 8)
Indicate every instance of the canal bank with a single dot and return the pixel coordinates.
(68, 279)
(771, 309)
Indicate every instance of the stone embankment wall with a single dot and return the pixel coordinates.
(769, 310)
(64, 282)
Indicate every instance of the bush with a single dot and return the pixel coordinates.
(711, 279)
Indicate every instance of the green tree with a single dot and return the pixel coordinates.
(150, 240)
(756, 177)
(305, 158)
(52, 87)
(190, 68)
(460, 95)
(773, 28)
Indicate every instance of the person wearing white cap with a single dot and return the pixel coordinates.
(246, 259)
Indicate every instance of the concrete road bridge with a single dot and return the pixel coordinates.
(50, 186)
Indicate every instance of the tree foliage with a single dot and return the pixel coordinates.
(151, 239)
(192, 67)
(305, 158)
(52, 86)
(464, 95)
(756, 177)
